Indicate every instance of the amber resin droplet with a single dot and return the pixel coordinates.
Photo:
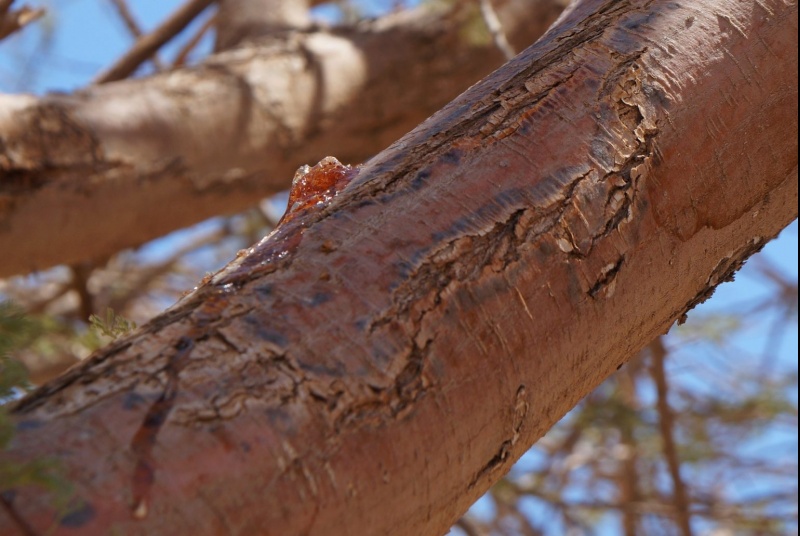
(315, 186)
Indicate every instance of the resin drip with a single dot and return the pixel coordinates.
(313, 187)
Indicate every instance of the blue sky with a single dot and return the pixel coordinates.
(78, 38)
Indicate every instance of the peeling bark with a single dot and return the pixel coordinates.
(376, 363)
(83, 176)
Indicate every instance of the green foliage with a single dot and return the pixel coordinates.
(112, 326)
(18, 331)
(472, 29)
(13, 376)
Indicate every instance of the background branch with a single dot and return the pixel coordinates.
(12, 21)
(495, 27)
(147, 45)
(658, 353)
(133, 27)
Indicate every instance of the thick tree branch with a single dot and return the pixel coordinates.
(383, 357)
(240, 20)
(86, 175)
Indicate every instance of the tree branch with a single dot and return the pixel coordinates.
(13, 21)
(519, 245)
(495, 27)
(133, 27)
(80, 283)
(241, 20)
(183, 54)
(666, 424)
(627, 476)
(73, 167)
(147, 45)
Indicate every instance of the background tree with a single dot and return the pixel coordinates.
(639, 504)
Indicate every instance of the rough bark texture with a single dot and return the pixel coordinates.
(380, 360)
(83, 176)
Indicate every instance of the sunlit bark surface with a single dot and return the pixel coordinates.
(415, 325)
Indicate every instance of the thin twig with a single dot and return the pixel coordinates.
(133, 27)
(148, 44)
(13, 21)
(495, 28)
(187, 48)
(659, 353)
(80, 283)
(127, 17)
(627, 475)
(468, 527)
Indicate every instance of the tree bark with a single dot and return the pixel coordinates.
(238, 20)
(83, 176)
(382, 358)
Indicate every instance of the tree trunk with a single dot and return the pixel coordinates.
(83, 176)
(382, 358)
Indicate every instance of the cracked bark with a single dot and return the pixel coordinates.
(83, 176)
(381, 359)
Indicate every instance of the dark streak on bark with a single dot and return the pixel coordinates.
(206, 320)
(145, 438)
(7, 502)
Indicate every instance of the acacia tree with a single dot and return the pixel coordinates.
(468, 284)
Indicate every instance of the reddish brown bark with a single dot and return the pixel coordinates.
(380, 360)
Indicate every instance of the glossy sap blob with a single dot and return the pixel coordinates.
(314, 186)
